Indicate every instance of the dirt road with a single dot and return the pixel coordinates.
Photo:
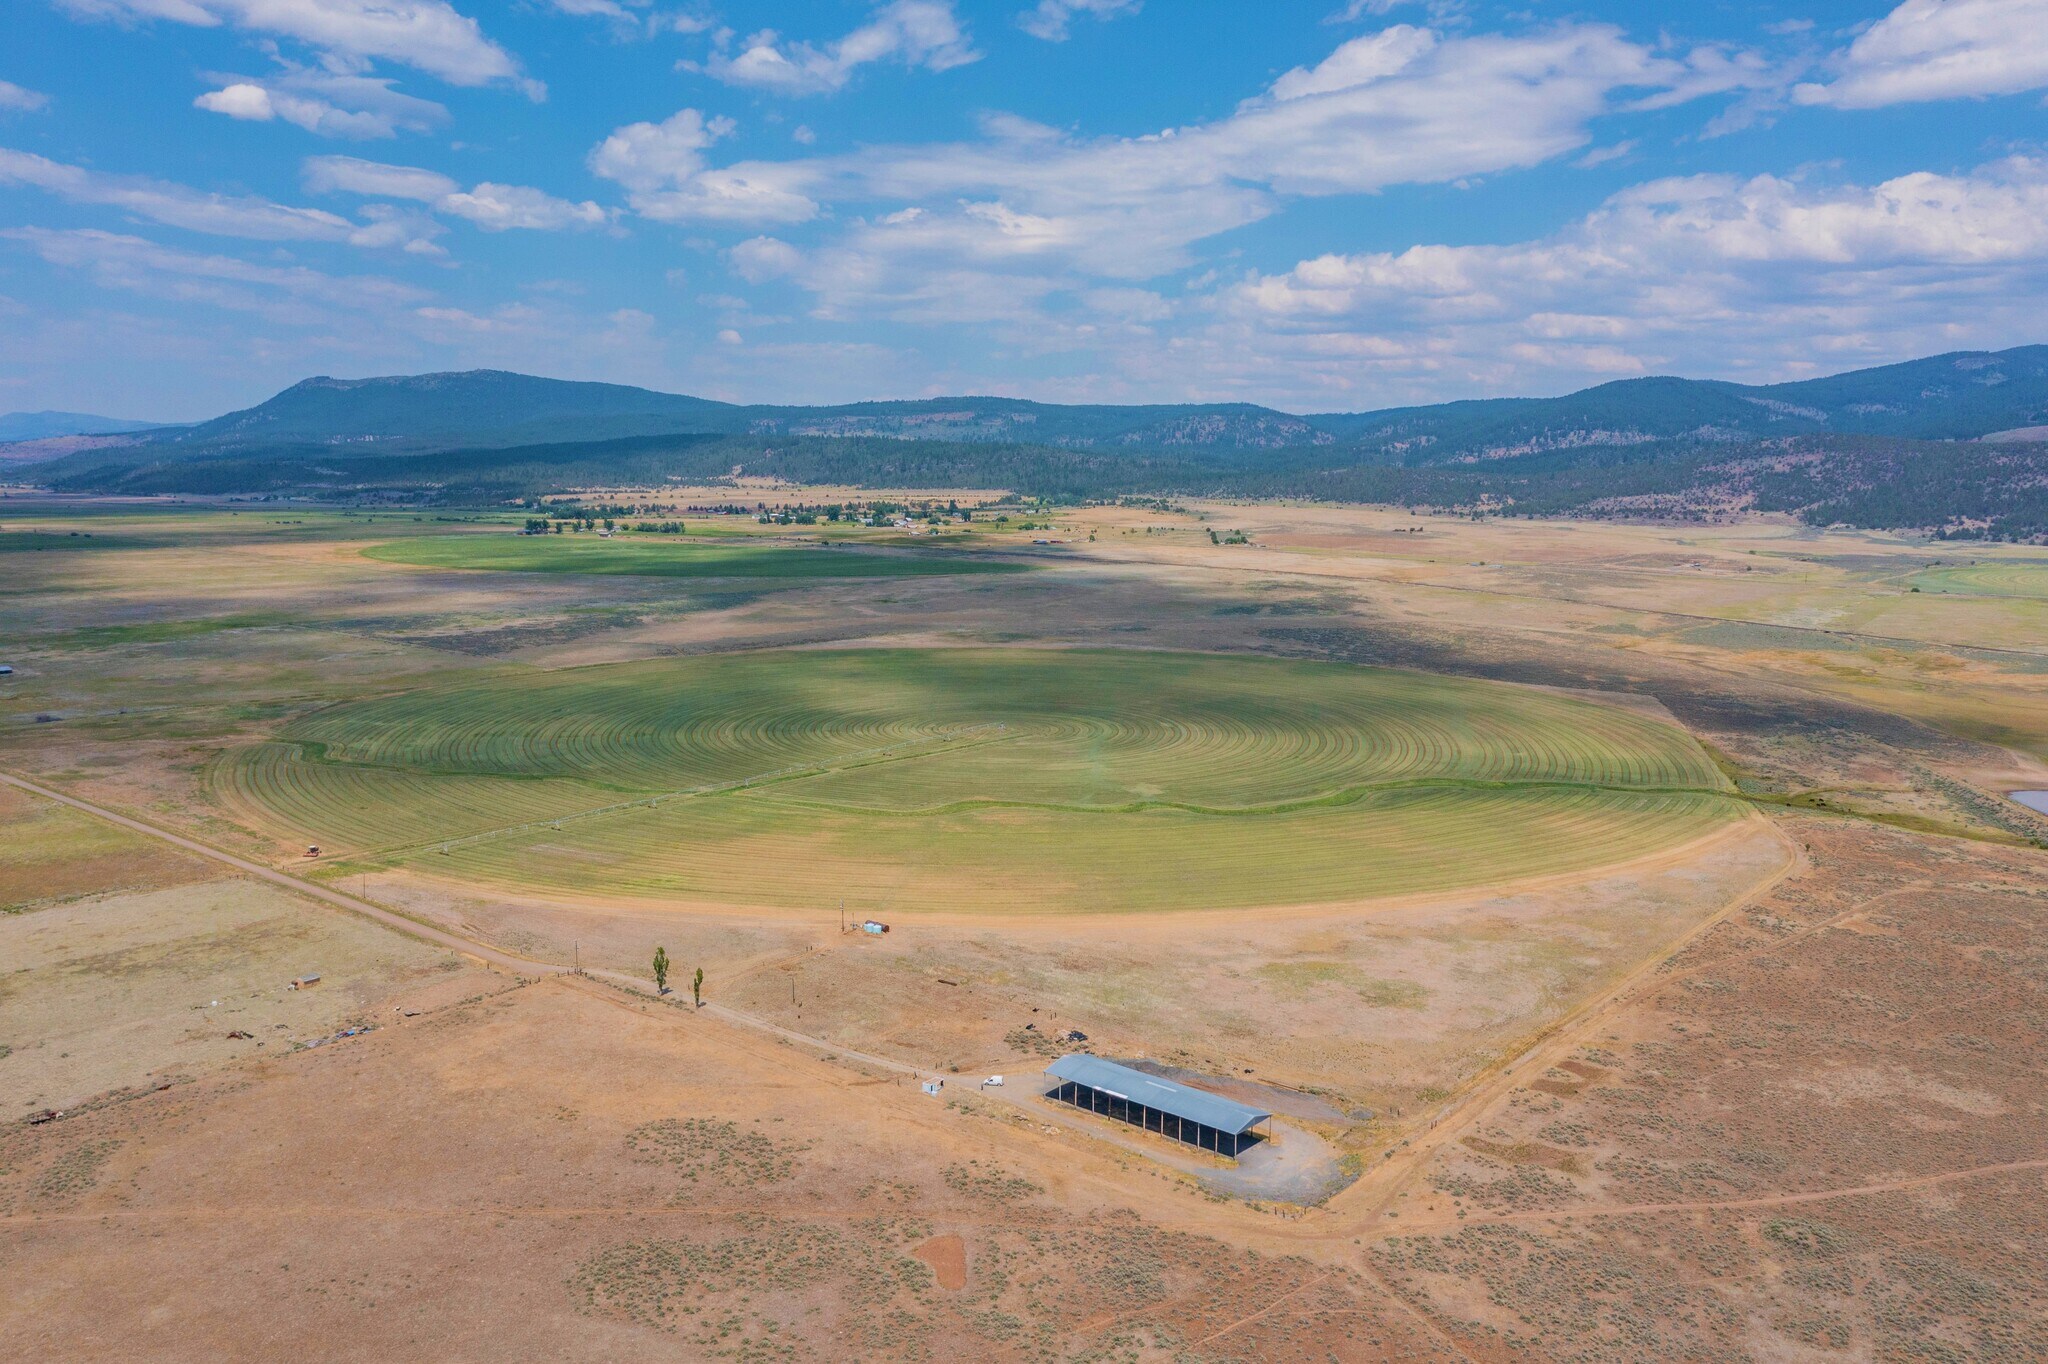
(1360, 1207)
(389, 918)
(456, 942)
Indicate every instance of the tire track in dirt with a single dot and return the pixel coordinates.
(1730, 1204)
(1600, 1011)
(390, 918)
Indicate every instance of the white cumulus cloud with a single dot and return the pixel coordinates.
(764, 258)
(241, 100)
(1405, 105)
(327, 103)
(180, 206)
(1940, 49)
(492, 207)
(1743, 277)
(663, 167)
(281, 293)
(498, 208)
(986, 231)
(924, 33)
(1052, 19)
(429, 35)
(350, 175)
(645, 157)
(13, 96)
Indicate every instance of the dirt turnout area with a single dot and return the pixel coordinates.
(1772, 1092)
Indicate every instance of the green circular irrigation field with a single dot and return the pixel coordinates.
(990, 780)
(2008, 578)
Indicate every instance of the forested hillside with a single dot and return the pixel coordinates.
(1972, 490)
(1897, 447)
(1946, 397)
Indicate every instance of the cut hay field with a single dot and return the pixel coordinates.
(671, 557)
(964, 780)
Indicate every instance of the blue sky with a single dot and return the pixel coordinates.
(1326, 206)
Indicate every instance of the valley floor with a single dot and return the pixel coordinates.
(1770, 1091)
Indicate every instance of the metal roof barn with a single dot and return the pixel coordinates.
(1179, 1111)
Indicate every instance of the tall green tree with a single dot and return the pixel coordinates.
(661, 970)
(697, 988)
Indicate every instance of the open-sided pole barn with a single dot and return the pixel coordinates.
(1176, 1111)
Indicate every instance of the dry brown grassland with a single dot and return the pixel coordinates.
(1776, 1093)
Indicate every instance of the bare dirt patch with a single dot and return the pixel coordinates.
(947, 1255)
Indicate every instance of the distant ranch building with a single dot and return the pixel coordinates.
(1175, 1111)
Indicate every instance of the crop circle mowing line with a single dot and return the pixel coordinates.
(1031, 779)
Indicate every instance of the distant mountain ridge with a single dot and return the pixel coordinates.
(474, 407)
(43, 425)
(1962, 395)
(1903, 446)
(1959, 396)
(485, 408)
